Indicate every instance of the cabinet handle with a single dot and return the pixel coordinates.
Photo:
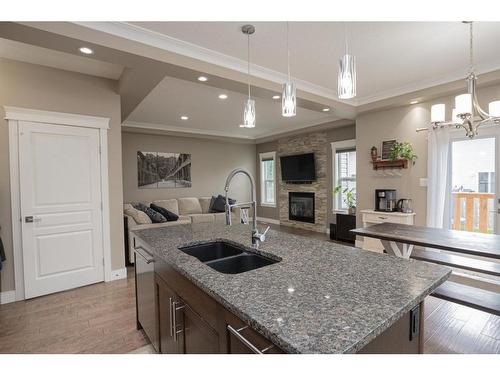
(170, 305)
(148, 258)
(244, 341)
(382, 217)
(175, 308)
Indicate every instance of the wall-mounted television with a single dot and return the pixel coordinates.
(297, 168)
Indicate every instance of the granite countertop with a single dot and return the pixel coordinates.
(321, 297)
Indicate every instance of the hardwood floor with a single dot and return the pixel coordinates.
(100, 318)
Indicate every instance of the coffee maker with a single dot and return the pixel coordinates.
(385, 200)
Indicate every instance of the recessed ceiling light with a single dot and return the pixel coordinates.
(86, 50)
(326, 109)
(202, 79)
(184, 118)
(276, 97)
(222, 96)
(414, 102)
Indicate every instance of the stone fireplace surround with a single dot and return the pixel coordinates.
(301, 144)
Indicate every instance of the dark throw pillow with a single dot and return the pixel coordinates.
(155, 216)
(218, 204)
(170, 216)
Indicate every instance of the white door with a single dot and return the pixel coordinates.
(60, 186)
(474, 166)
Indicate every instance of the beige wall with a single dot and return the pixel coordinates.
(400, 123)
(37, 87)
(332, 135)
(212, 161)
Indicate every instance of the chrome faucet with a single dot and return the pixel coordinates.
(256, 236)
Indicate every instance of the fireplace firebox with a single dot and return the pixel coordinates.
(301, 207)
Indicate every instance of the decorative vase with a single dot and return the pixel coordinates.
(351, 211)
(374, 153)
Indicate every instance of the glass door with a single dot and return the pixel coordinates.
(473, 182)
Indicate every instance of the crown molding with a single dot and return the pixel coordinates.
(192, 132)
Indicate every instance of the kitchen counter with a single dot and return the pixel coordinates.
(321, 297)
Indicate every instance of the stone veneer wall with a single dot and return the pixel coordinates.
(301, 144)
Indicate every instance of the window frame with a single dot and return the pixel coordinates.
(339, 147)
(264, 156)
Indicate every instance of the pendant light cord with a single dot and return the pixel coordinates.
(288, 52)
(248, 76)
(345, 38)
(471, 49)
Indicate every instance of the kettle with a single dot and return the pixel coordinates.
(405, 205)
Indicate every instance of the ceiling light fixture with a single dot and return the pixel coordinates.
(276, 97)
(347, 73)
(288, 97)
(86, 50)
(202, 79)
(184, 118)
(467, 113)
(249, 111)
(414, 102)
(223, 96)
(326, 109)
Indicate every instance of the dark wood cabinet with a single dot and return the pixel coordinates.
(166, 300)
(198, 336)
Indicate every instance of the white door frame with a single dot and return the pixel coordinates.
(16, 114)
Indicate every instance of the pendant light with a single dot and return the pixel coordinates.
(288, 97)
(347, 73)
(249, 110)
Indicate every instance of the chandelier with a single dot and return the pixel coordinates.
(467, 113)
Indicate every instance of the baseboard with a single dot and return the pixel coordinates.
(270, 221)
(120, 273)
(359, 243)
(7, 297)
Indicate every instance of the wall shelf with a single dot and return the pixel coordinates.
(390, 164)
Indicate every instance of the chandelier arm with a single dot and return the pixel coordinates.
(471, 83)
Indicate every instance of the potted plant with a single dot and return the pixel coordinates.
(349, 198)
(403, 150)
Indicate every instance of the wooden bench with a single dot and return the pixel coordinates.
(475, 298)
(457, 261)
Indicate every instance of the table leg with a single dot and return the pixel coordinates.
(398, 249)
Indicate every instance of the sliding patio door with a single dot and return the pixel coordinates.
(473, 182)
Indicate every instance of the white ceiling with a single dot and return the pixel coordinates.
(29, 53)
(393, 58)
(208, 114)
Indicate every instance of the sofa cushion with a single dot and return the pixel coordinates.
(205, 204)
(138, 216)
(155, 216)
(220, 217)
(219, 203)
(202, 218)
(168, 204)
(189, 206)
(170, 216)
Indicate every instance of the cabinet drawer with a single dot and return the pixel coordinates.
(387, 218)
(241, 339)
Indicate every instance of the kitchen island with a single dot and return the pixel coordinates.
(319, 297)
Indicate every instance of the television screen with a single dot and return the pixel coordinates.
(298, 168)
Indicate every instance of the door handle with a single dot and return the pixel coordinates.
(31, 219)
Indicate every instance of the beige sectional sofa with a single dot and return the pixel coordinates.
(189, 210)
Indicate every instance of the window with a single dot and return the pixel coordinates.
(268, 179)
(344, 166)
(486, 182)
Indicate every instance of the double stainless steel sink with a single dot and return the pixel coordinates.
(227, 258)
